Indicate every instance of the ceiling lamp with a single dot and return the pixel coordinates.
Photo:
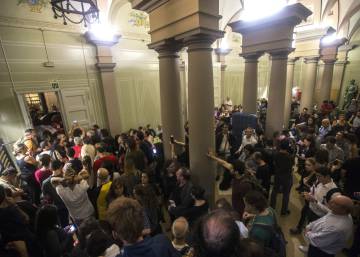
(76, 11)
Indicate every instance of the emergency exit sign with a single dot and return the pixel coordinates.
(55, 85)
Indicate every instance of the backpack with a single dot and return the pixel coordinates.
(278, 241)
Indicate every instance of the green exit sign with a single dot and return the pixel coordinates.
(55, 85)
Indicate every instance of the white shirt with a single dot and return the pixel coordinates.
(112, 251)
(330, 233)
(48, 152)
(76, 201)
(356, 122)
(319, 191)
(244, 232)
(228, 104)
(247, 141)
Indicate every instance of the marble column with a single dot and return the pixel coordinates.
(112, 104)
(220, 54)
(106, 67)
(339, 70)
(289, 85)
(250, 82)
(170, 95)
(307, 94)
(326, 81)
(184, 97)
(275, 119)
(222, 82)
(201, 112)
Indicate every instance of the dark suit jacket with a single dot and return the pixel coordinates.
(219, 138)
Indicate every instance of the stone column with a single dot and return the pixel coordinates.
(222, 82)
(250, 82)
(220, 54)
(307, 94)
(184, 97)
(289, 85)
(339, 72)
(170, 95)
(112, 104)
(106, 69)
(275, 119)
(325, 87)
(201, 111)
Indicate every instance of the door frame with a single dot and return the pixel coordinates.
(25, 111)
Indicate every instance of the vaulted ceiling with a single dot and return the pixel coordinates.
(343, 15)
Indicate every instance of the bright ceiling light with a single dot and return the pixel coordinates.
(257, 9)
(327, 40)
(224, 45)
(104, 32)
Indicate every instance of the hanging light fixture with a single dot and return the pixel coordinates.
(76, 11)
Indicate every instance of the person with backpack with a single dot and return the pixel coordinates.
(262, 223)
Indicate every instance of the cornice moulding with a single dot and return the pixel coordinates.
(292, 13)
(35, 24)
(313, 34)
(146, 5)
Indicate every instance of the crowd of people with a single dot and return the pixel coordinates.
(90, 194)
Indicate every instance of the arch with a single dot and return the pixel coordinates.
(329, 5)
(354, 29)
(355, 7)
(115, 6)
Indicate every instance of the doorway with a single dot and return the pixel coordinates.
(44, 111)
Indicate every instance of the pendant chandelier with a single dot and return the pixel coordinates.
(76, 11)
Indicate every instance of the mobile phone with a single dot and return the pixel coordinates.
(72, 228)
(172, 140)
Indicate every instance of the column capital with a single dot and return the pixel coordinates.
(182, 66)
(199, 42)
(167, 48)
(341, 62)
(329, 61)
(280, 54)
(221, 53)
(223, 67)
(93, 39)
(105, 67)
(251, 57)
(311, 59)
(292, 60)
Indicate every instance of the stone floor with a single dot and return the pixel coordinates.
(287, 222)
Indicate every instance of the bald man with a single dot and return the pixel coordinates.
(102, 190)
(329, 234)
(180, 229)
(217, 235)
